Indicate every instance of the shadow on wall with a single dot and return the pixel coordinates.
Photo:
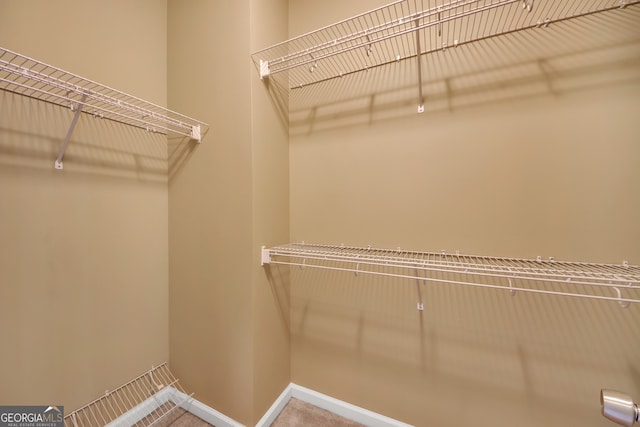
(538, 77)
(179, 150)
(279, 280)
(32, 133)
(576, 55)
(279, 96)
(494, 354)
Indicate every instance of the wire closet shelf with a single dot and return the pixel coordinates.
(408, 29)
(610, 282)
(144, 401)
(32, 78)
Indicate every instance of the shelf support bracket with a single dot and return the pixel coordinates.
(418, 57)
(80, 105)
(265, 257)
(420, 305)
(264, 69)
(196, 133)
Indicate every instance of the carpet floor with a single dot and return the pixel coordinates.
(178, 417)
(298, 413)
(295, 414)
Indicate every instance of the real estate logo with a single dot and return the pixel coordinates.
(32, 416)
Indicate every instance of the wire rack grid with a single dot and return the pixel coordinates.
(118, 407)
(620, 283)
(32, 78)
(408, 29)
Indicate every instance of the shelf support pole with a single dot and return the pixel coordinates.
(58, 163)
(418, 57)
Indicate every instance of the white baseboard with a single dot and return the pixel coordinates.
(338, 407)
(210, 415)
(203, 411)
(143, 409)
(171, 394)
(275, 409)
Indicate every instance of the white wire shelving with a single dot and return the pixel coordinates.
(609, 282)
(146, 400)
(410, 30)
(32, 78)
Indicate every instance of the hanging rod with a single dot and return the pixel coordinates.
(609, 282)
(29, 77)
(130, 403)
(384, 35)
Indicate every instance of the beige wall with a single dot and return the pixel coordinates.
(227, 197)
(210, 206)
(110, 272)
(83, 251)
(551, 173)
(270, 180)
(86, 257)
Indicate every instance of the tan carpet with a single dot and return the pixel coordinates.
(295, 414)
(178, 417)
(299, 413)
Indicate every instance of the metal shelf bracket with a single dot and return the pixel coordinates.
(58, 163)
(419, 59)
(264, 69)
(265, 256)
(196, 134)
